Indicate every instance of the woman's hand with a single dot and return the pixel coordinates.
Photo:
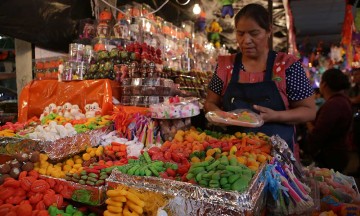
(299, 112)
(267, 114)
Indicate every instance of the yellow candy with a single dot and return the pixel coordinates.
(98, 152)
(92, 153)
(254, 168)
(62, 175)
(261, 158)
(77, 157)
(43, 157)
(56, 174)
(78, 161)
(195, 160)
(77, 166)
(86, 156)
(44, 165)
(208, 158)
(66, 167)
(42, 171)
(70, 162)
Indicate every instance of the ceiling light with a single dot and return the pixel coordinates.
(196, 9)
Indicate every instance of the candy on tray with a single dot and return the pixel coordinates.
(239, 117)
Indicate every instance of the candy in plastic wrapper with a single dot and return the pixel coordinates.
(68, 146)
(239, 117)
(183, 108)
(283, 153)
(13, 145)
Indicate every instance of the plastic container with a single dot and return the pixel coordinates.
(69, 68)
(148, 90)
(126, 90)
(154, 99)
(48, 68)
(166, 91)
(125, 100)
(134, 70)
(126, 81)
(136, 90)
(168, 83)
(187, 107)
(137, 101)
(240, 117)
(76, 52)
(136, 81)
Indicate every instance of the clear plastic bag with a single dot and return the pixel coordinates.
(239, 117)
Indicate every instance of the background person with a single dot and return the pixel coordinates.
(329, 139)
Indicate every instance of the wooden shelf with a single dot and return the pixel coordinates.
(7, 75)
(185, 76)
(190, 88)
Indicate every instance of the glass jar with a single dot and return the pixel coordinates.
(103, 29)
(134, 32)
(121, 28)
(76, 52)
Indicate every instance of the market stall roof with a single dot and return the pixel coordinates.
(52, 24)
(318, 20)
(176, 13)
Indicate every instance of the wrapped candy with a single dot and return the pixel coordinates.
(291, 196)
(150, 134)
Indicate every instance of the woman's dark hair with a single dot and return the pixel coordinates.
(256, 12)
(336, 80)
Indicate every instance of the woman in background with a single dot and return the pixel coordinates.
(329, 139)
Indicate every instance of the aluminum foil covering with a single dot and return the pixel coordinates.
(194, 200)
(14, 145)
(90, 195)
(65, 147)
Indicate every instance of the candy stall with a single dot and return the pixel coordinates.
(109, 130)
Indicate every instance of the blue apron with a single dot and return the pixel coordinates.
(266, 94)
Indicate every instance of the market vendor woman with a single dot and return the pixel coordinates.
(270, 83)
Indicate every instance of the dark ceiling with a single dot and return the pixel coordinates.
(318, 20)
(52, 24)
(176, 13)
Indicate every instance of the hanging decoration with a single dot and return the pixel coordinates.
(200, 23)
(290, 26)
(214, 30)
(227, 8)
(355, 40)
(347, 31)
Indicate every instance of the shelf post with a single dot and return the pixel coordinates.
(23, 61)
